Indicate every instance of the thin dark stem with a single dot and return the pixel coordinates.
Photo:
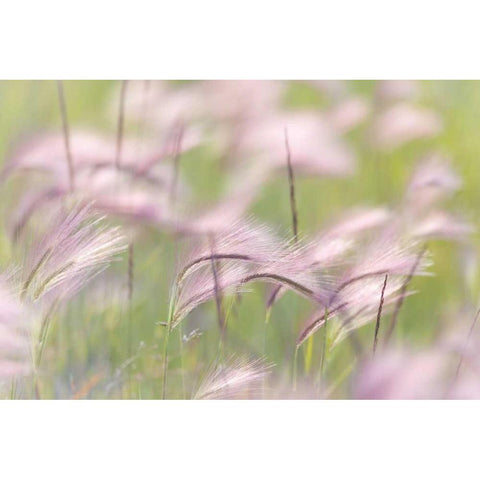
(283, 280)
(291, 182)
(401, 298)
(121, 123)
(293, 207)
(299, 288)
(379, 314)
(316, 323)
(176, 164)
(205, 258)
(273, 296)
(66, 134)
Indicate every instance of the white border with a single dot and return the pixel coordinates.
(251, 439)
(249, 39)
(253, 39)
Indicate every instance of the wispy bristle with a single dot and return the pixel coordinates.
(235, 378)
(73, 250)
(15, 333)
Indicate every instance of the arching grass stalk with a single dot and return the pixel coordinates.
(308, 354)
(379, 315)
(13, 389)
(40, 347)
(221, 342)
(172, 199)
(268, 312)
(167, 338)
(218, 298)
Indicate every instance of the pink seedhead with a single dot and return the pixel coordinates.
(403, 123)
(315, 147)
(401, 375)
(241, 100)
(329, 248)
(432, 181)
(447, 370)
(395, 90)
(201, 286)
(443, 225)
(334, 242)
(242, 188)
(245, 240)
(90, 150)
(353, 294)
(73, 250)
(235, 378)
(15, 323)
(158, 107)
(245, 253)
(333, 89)
(349, 114)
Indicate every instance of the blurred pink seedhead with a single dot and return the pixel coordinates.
(400, 375)
(158, 107)
(15, 331)
(427, 374)
(334, 242)
(90, 150)
(395, 90)
(403, 123)
(316, 149)
(433, 180)
(348, 114)
(332, 89)
(242, 188)
(241, 100)
(442, 225)
(74, 248)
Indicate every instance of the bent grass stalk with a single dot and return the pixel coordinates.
(294, 212)
(40, 346)
(379, 314)
(66, 134)
(166, 340)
